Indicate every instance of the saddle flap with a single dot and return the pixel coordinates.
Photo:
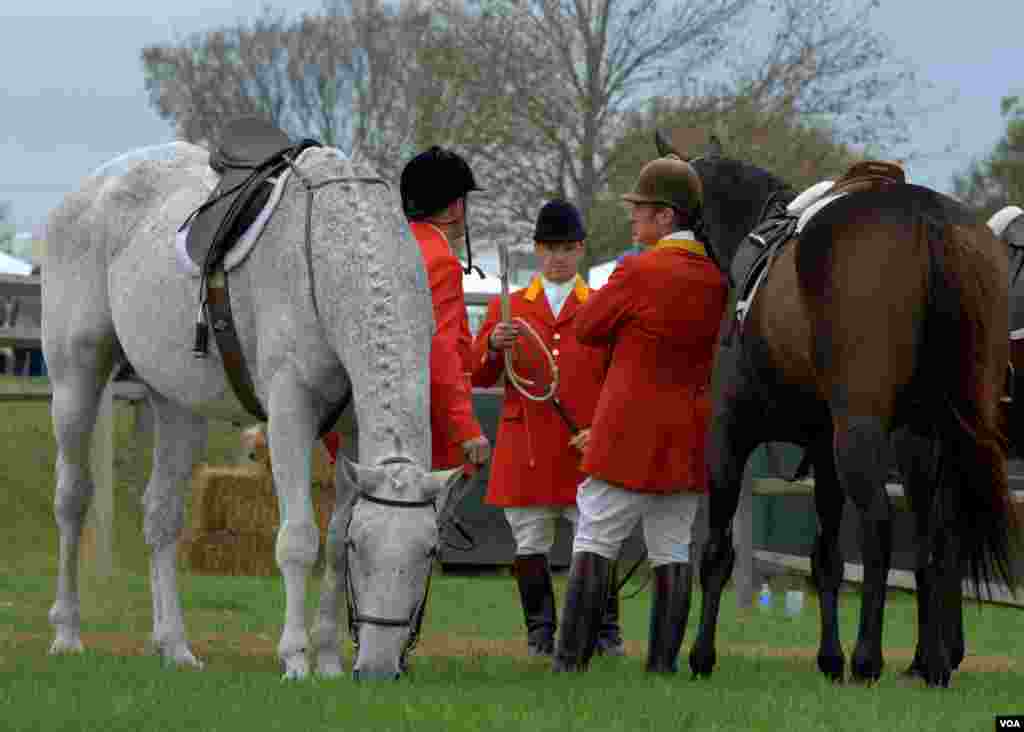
(246, 142)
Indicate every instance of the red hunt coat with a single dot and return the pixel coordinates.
(451, 397)
(533, 463)
(660, 314)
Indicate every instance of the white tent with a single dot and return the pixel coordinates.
(490, 285)
(14, 266)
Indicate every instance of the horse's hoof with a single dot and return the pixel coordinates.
(296, 667)
(865, 669)
(832, 667)
(938, 680)
(64, 645)
(182, 657)
(329, 667)
(702, 664)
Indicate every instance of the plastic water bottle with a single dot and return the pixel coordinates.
(764, 599)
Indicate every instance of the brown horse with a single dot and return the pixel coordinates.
(889, 312)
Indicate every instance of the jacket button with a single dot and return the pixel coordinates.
(554, 352)
(558, 336)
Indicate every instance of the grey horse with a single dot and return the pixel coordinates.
(113, 290)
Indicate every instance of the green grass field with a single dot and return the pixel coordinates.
(470, 672)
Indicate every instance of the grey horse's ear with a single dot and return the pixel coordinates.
(351, 477)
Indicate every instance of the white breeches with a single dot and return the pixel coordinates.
(534, 526)
(608, 514)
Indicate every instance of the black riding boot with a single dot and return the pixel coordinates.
(609, 639)
(670, 609)
(538, 598)
(586, 598)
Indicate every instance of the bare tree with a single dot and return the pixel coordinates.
(567, 69)
(299, 74)
(566, 75)
(825, 61)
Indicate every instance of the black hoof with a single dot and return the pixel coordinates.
(832, 667)
(702, 664)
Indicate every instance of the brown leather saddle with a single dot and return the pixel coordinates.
(869, 175)
(778, 227)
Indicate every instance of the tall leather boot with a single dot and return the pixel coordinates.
(609, 638)
(670, 610)
(538, 599)
(586, 598)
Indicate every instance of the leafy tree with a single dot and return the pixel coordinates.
(997, 180)
(775, 138)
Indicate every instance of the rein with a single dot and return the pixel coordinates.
(311, 189)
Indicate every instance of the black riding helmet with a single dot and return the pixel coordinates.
(432, 180)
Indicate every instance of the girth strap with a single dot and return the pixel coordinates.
(218, 306)
(218, 310)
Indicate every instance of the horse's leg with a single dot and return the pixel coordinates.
(914, 453)
(328, 658)
(827, 560)
(180, 438)
(78, 364)
(861, 445)
(728, 449)
(940, 642)
(290, 431)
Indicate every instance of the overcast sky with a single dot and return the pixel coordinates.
(72, 93)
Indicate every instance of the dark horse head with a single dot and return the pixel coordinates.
(888, 310)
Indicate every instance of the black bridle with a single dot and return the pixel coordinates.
(415, 619)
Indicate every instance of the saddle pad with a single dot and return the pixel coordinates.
(809, 212)
(240, 250)
(1002, 218)
(799, 204)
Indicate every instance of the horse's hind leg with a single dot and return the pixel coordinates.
(179, 440)
(861, 449)
(827, 561)
(79, 365)
(940, 641)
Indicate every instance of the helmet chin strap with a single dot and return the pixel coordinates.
(465, 226)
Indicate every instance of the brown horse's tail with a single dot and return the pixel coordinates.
(958, 353)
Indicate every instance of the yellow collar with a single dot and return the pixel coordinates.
(689, 245)
(580, 289)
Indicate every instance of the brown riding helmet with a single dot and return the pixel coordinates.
(668, 181)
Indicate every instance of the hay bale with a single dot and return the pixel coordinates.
(229, 552)
(243, 499)
(235, 514)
